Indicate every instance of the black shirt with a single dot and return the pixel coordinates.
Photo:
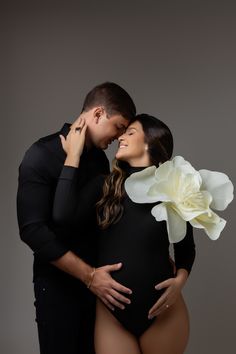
(38, 174)
(137, 240)
(73, 206)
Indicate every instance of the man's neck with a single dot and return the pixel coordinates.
(88, 143)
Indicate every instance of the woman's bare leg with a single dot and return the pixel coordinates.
(110, 336)
(169, 332)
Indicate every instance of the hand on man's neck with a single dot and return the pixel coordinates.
(88, 143)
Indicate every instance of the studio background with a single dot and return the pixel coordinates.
(177, 61)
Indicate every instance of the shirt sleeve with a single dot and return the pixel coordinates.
(184, 251)
(34, 207)
(73, 204)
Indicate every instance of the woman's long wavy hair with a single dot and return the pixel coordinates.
(159, 139)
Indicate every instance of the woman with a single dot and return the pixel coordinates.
(156, 320)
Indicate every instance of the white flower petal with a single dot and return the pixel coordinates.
(176, 226)
(191, 183)
(185, 166)
(220, 187)
(193, 205)
(160, 212)
(196, 224)
(162, 172)
(161, 191)
(175, 187)
(138, 184)
(213, 224)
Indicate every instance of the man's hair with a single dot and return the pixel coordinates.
(113, 98)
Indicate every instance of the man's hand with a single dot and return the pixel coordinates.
(107, 289)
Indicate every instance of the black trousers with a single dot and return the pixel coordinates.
(65, 314)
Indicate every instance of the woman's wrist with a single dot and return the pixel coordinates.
(181, 276)
(72, 160)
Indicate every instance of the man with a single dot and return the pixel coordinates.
(64, 256)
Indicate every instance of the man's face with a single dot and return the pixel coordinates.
(107, 129)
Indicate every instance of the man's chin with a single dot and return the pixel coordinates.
(102, 146)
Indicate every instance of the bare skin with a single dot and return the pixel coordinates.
(170, 331)
(168, 334)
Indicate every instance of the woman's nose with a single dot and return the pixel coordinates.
(121, 137)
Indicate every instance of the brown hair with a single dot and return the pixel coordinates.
(159, 139)
(113, 98)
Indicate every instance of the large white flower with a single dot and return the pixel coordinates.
(186, 195)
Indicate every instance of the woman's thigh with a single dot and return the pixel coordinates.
(110, 336)
(169, 332)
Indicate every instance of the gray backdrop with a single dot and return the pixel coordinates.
(177, 60)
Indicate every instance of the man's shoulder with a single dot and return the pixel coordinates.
(35, 161)
(40, 152)
(48, 138)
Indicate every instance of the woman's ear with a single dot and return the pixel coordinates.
(146, 147)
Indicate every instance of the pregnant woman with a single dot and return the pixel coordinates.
(156, 318)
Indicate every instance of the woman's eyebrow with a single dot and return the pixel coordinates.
(130, 128)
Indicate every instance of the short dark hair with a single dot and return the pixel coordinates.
(113, 98)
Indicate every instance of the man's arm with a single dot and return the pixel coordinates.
(99, 282)
(34, 204)
(34, 210)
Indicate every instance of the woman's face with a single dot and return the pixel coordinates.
(132, 147)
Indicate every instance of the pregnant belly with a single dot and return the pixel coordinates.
(141, 277)
(142, 281)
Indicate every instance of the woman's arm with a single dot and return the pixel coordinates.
(73, 204)
(184, 252)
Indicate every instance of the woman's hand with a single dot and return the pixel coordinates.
(73, 144)
(173, 289)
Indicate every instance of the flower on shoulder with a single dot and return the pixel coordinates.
(186, 195)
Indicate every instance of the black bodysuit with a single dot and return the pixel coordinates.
(137, 240)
